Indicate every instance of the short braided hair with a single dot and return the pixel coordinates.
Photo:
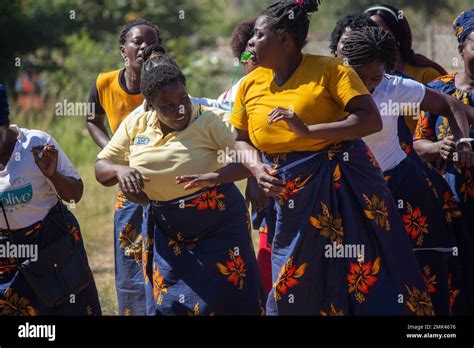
(369, 44)
(135, 23)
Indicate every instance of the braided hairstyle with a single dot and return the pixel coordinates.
(157, 71)
(353, 21)
(135, 23)
(370, 44)
(398, 24)
(292, 16)
(241, 36)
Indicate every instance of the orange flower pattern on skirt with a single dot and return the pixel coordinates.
(362, 275)
(329, 226)
(208, 200)
(15, 305)
(419, 302)
(234, 269)
(415, 224)
(288, 278)
(377, 211)
(159, 286)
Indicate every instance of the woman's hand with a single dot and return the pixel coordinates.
(46, 158)
(465, 156)
(198, 180)
(255, 195)
(267, 180)
(291, 119)
(140, 198)
(130, 180)
(447, 147)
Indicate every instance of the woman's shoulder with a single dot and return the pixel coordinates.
(323, 68)
(34, 137)
(443, 82)
(423, 74)
(314, 61)
(210, 114)
(106, 78)
(258, 74)
(138, 119)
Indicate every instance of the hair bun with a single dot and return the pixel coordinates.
(153, 51)
(309, 6)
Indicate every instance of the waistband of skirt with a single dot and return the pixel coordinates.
(294, 159)
(190, 196)
(54, 210)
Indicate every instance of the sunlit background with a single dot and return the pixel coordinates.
(66, 43)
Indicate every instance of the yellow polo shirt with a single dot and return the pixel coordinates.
(318, 92)
(139, 143)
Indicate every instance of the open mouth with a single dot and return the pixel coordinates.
(251, 56)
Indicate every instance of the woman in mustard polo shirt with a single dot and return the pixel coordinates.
(198, 257)
(116, 94)
(339, 246)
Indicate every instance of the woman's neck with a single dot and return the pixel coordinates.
(284, 72)
(163, 127)
(132, 79)
(465, 80)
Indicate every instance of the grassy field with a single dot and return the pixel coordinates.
(96, 209)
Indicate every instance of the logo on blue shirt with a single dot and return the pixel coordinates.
(20, 195)
(142, 141)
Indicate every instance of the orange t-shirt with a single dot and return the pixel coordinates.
(114, 99)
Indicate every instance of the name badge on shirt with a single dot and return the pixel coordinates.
(141, 141)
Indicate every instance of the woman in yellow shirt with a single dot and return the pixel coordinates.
(198, 257)
(339, 246)
(114, 95)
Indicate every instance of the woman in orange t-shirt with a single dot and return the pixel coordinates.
(114, 95)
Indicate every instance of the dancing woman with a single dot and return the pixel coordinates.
(429, 217)
(198, 257)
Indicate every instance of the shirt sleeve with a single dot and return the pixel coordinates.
(238, 115)
(94, 99)
(409, 91)
(343, 83)
(118, 148)
(65, 166)
(213, 103)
